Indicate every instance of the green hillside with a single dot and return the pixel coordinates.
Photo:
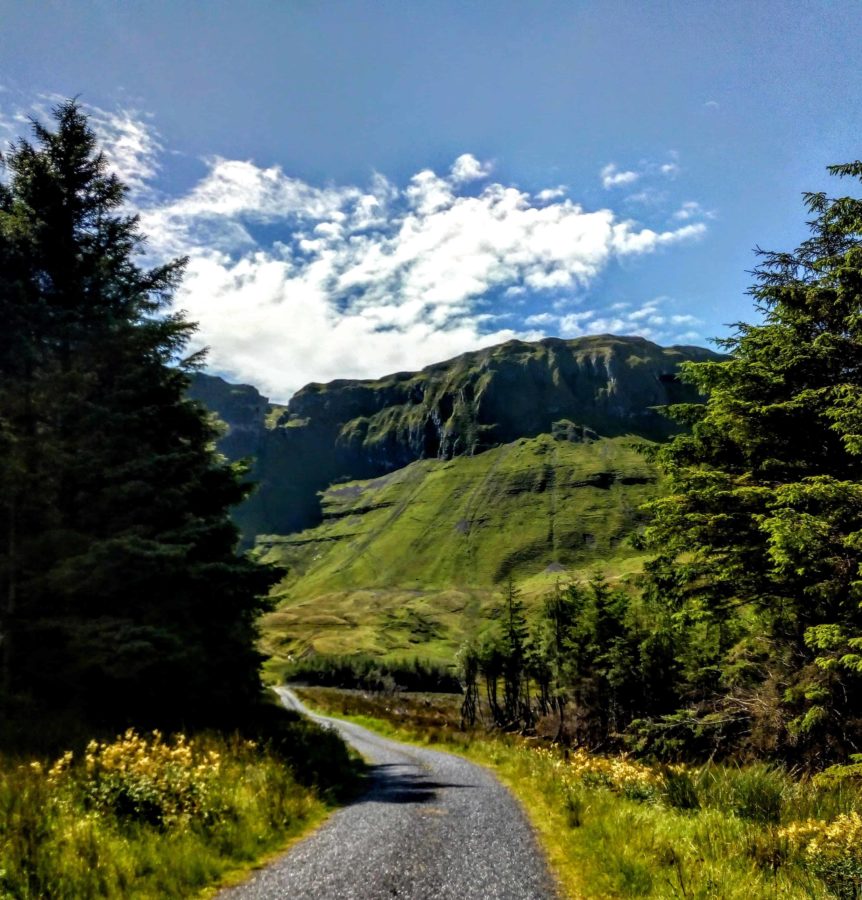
(412, 561)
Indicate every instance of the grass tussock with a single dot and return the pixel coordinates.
(622, 827)
(145, 816)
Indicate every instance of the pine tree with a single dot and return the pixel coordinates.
(123, 596)
(561, 611)
(759, 542)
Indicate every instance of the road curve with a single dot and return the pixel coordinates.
(432, 827)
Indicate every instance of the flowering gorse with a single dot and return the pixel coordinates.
(145, 778)
(832, 850)
(151, 779)
(620, 774)
(144, 815)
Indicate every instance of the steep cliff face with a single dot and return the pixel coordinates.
(241, 407)
(603, 385)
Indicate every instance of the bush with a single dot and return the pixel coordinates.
(163, 783)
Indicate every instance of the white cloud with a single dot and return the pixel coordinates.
(631, 241)
(614, 177)
(691, 209)
(542, 320)
(549, 194)
(341, 298)
(370, 280)
(467, 168)
(671, 169)
(572, 324)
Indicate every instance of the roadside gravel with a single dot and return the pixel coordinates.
(432, 827)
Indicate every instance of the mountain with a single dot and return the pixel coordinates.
(400, 505)
(347, 430)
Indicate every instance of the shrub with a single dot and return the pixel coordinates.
(164, 783)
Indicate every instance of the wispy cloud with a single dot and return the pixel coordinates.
(691, 209)
(649, 320)
(613, 177)
(127, 137)
(131, 145)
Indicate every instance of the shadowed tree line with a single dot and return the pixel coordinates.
(122, 596)
(368, 673)
(586, 660)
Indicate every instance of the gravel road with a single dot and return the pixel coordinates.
(432, 827)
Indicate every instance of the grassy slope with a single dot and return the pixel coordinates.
(410, 563)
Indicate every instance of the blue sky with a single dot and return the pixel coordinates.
(365, 187)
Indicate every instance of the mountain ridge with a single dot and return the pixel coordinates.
(349, 429)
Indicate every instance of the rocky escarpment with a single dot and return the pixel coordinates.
(577, 389)
(242, 409)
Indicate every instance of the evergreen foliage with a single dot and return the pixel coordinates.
(123, 598)
(759, 542)
(371, 674)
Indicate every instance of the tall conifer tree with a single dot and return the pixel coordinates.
(122, 593)
(759, 541)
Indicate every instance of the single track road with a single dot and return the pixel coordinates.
(432, 826)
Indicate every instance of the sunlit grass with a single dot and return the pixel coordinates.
(412, 563)
(145, 816)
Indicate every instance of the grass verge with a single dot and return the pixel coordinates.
(616, 827)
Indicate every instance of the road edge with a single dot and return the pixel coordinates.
(540, 823)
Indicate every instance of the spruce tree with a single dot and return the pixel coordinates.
(123, 596)
(759, 541)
